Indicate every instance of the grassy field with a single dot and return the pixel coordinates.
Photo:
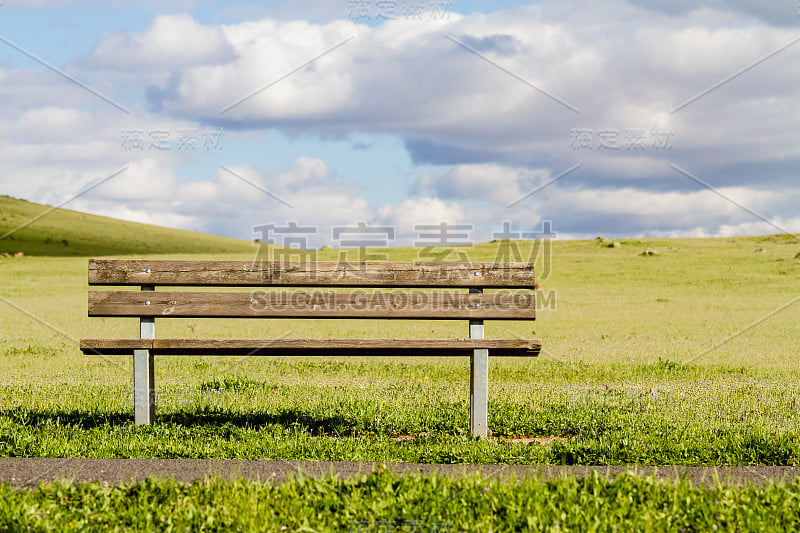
(683, 357)
(648, 359)
(385, 502)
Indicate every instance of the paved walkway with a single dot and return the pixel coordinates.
(25, 472)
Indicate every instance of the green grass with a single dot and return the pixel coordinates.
(386, 502)
(654, 414)
(61, 232)
(644, 363)
(688, 357)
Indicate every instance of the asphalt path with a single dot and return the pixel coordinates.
(30, 472)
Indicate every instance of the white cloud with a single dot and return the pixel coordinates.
(266, 51)
(412, 212)
(493, 183)
(682, 207)
(171, 42)
(760, 227)
(145, 180)
(406, 78)
(624, 64)
(230, 203)
(305, 171)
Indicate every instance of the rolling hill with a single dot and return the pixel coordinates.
(41, 230)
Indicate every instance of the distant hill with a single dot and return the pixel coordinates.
(63, 232)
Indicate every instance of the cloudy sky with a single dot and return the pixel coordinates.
(620, 118)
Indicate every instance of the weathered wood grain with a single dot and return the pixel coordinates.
(310, 274)
(508, 305)
(312, 347)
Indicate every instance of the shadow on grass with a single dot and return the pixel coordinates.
(287, 418)
(211, 419)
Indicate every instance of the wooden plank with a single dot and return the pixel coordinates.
(505, 305)
(314, 347)
(310, 274)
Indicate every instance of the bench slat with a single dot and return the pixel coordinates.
(308, 274)
(510, 305)
(311, 347)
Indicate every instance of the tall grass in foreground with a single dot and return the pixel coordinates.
(386, 502)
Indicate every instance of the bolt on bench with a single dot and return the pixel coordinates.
(394, 302)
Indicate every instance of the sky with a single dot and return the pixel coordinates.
(629, 118)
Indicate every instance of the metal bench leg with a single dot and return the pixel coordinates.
(144, 378)
(479, 393)
(478, 382)
(144, 388)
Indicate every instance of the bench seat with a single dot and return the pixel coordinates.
(314, 347)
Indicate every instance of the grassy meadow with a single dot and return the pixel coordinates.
(684, 356)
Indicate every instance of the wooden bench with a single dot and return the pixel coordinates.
(315, 293)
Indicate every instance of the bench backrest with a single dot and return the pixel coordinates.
(324, 300)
